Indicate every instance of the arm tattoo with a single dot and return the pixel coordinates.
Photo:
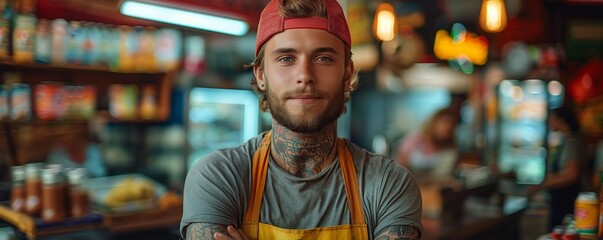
(399, 232)
(203, 231)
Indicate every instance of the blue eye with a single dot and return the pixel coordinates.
(285, 59)
(324, 59)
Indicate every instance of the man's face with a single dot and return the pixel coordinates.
(304, 77)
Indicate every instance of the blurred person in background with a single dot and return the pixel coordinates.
(566, 162)
(598, 165)
(430, 152)
(299, 180)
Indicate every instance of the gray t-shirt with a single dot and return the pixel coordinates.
(572, 150)
(217, 188)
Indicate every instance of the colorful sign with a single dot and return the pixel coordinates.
(460, 44)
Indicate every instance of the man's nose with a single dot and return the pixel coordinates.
(305, 72)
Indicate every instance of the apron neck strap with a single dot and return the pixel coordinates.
(350, 179)
(259, 170)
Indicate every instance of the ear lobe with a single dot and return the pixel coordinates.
(348, 75)
(259, 77)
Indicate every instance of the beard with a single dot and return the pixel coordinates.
(308, 121)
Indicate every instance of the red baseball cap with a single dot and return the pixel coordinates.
(271, 23)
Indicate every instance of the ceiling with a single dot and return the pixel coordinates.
(106, 11)
(532, 21)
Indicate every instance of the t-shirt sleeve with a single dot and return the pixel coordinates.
(572, 151)
(214, 191)
(399, 199)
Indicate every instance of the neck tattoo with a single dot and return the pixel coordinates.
(303, 155)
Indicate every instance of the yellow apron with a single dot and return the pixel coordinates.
(256, 230)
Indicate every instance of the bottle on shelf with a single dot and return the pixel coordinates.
(33, 188)
(73, 43)
(17, 196)
(148, 103)
(59, 31)
(53, 194)
(6, 26)
(43, 42)
(19, 99)
(78, 194)
(4, 110)
(24, 33)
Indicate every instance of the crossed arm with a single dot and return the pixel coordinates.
(399, 232)
(202, 231)
(206, 231)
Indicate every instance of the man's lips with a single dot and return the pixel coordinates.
(304, 98)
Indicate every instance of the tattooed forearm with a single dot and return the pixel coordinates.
(203, 231)
(399, 232)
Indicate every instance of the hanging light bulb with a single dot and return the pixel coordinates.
(493, 15)
(384, 24)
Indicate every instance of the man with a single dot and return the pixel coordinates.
(299, 181)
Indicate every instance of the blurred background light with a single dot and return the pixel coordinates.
(493, 15)
(384, 24)
(171, 15)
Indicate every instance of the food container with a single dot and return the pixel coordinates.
(124, 193)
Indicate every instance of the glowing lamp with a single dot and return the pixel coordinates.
(493, 16)
(384, 24)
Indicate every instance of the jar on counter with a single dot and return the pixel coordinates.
(78, 194)
(53, 195)
(557, 233)
(17, 195)
(33, 188)
(586, 215)
(570, 234)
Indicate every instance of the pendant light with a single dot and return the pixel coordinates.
(493, 16)
(384, 24)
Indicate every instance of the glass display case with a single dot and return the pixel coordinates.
(219, 118)
(523, 113)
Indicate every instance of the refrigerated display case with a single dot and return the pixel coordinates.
(522, 129)
(219, 118)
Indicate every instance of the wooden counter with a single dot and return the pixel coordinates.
(479, 213)
(464, 214)
(32, 228)
(150, 219)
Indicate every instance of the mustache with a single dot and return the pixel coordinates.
(309, 92)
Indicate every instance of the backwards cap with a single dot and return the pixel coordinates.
(271, 23)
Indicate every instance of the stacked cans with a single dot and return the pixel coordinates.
(51, 101)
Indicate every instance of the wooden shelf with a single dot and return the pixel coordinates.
(68, 67)
(18, 137)
(78, 122)
(44, 122)
(98, 76)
